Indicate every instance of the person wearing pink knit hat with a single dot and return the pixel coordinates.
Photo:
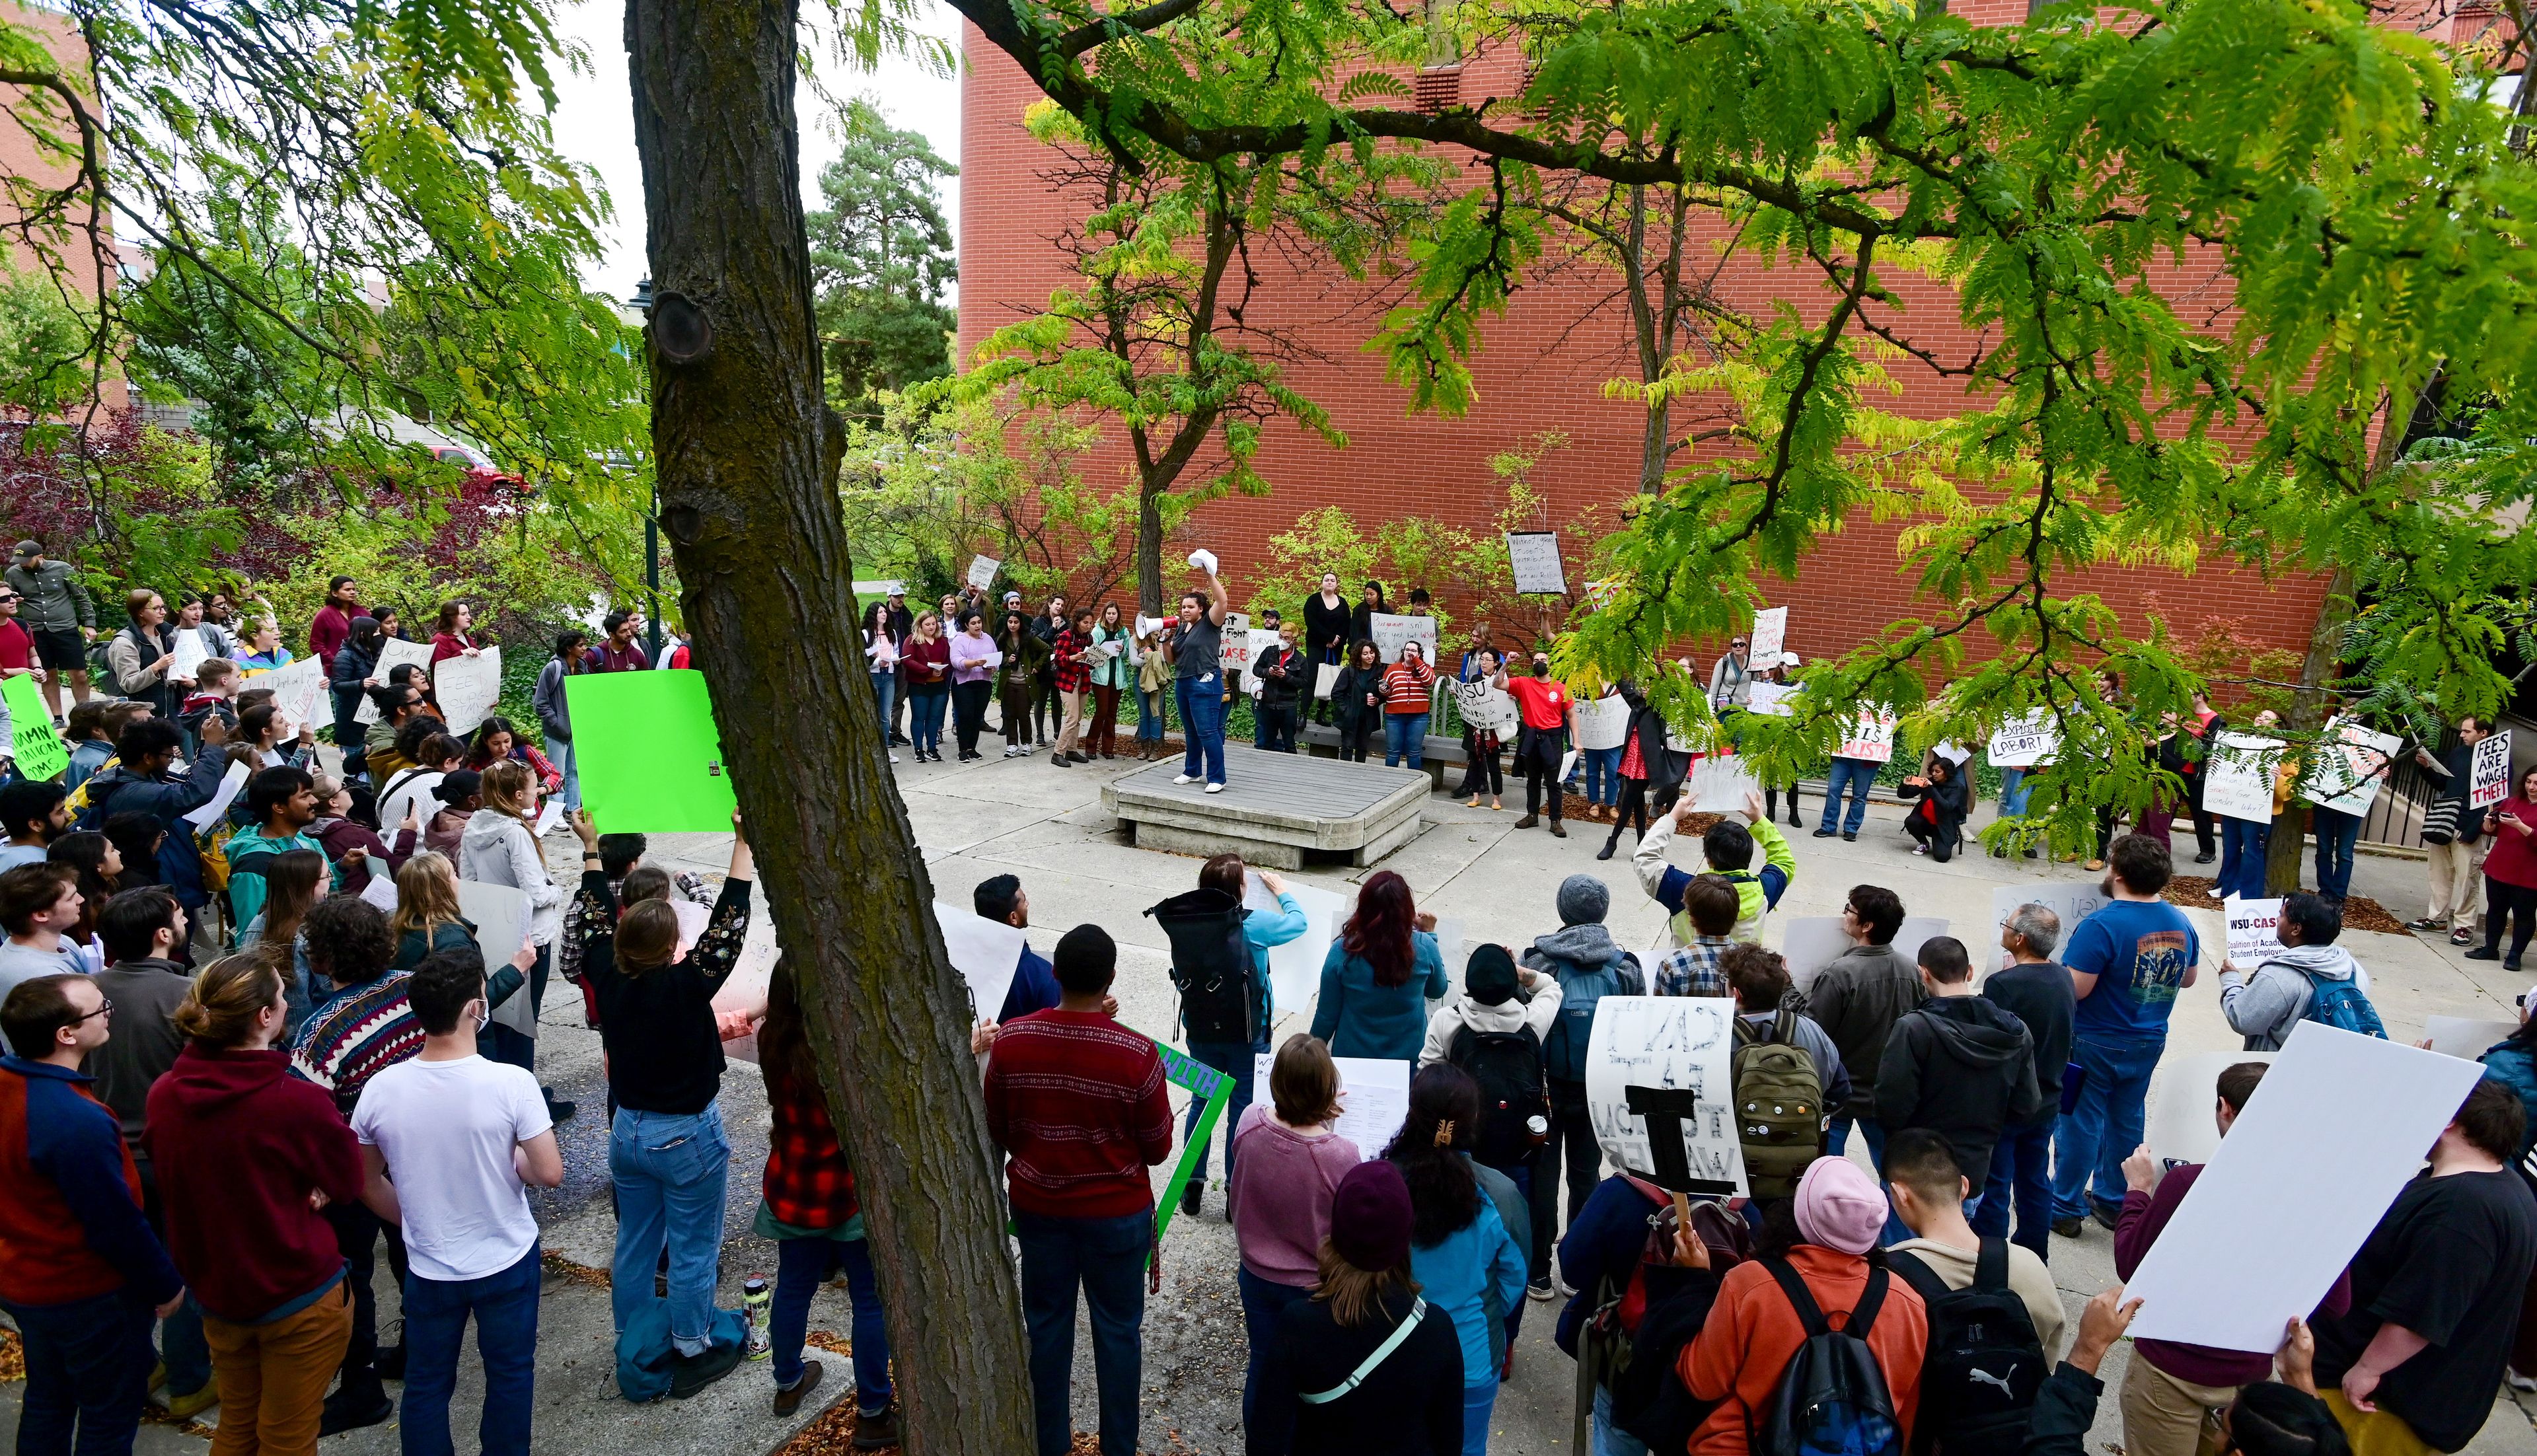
(1754, 1330)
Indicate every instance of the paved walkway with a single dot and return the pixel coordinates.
(1045, 824)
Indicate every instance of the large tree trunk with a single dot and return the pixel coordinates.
(1149, 548)
(2310, 709)
(746, 454)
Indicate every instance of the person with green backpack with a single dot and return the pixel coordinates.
(1788, 1073)
(2310, 978)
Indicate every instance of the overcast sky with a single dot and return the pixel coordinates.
(593, 123)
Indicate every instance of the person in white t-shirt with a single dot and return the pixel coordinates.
(452, 1142)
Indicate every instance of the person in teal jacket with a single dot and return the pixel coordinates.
(1261, 931)
(1468, 1262)
(1383, 969)
(280, 804)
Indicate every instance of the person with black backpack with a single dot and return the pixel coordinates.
(1221, 967)
(1995, 1318)
(1782, 1379)
(1493, 1031)
(1582, 956)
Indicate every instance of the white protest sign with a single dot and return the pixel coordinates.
(548, 816)
(1871, 738)
(1391, 631)
(1603, 722)
(380, 891)
(2489, 773)
(1809, 943)
(393, 652)
(2238, 776)
(2350, 767)
(501, 915)
(1770, 637)
(468, 689)
(1233, 644)
(1374, 1099)
(1534, 557)
(1203, 559)
(297, 686)
(185, 658)
(1262, 639)
(1668, 1044)
(2465, 1036)
(2182, 1128)
(1718, 783)
(1771, 699)
(1485, 708)
(2027, 743)
(982, 571)
(2070, 901)
(1295, 968)
(2337, 1130)
(2254, 930)
(986, 955)
(210, 813)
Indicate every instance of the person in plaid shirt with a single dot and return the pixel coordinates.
(1693, 970)
(1070, 653)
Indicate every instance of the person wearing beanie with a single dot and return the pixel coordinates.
(1321, 1387)
(1729, 848)
(1499, 998)
(1078, 1105)
(1583, 960)
(1752, 1333)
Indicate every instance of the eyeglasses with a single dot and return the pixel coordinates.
(103, 1005)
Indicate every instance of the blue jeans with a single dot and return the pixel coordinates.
(671, 1171)
(801, 1266)
(2021, 1171)
(925, 719)
(1262, 1301)
(1234, 1059)
(1858, 776)
(1106, 1259)
(1477, 1402)
(1610, 1440)
(184, 1350)
(2102, 1129)
(1837, 1141)
(87, 1370)
(1202, 724)
(885, 694)
(1404, 736)
(2242, 845)
(559, 753)
(2012, 794)
(1602, 775)
(1149, 717)
(505, 1307)
(2336, 833)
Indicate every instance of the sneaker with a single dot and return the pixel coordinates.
(2425, 923)
(2093, 866)
(1183, 778)
(194, 1403)
(1850, 836)
(2518, 1381)
(788, 1399)
(690, 1373)
(1919, 848)
(2030, 852)
(2069, 1227)
(877, 1431)
(1539, 1289)
(2203, 859)
(1823, 834)
(1215, 788)
(2461, 936)
(346, 1410)
(893, 758)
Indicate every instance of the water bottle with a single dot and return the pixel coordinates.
(756, 1303)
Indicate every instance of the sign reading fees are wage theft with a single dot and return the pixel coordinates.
(649, 754)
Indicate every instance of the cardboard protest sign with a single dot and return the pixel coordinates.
(393, 652)
(501, 915)
(1871, 738)
(1534, 557)
(2027, 743)
(35, 745)
(1667, 1044)
(1603, 722)
(986, 954)
(1770, 637)
(298, 687)
(210, 814)
(2070, 901)
(1485, 708)
(1391, 631)
(1233, 647)
(2254, 930)
(468, 688)
(1374, 1099)
(2465, 1036)
(2238, 776)
(982, 571)
(2337, 1130)
(1262, 639)
(2182, 1128)
(1211, 1087)
(649, 755)
(2489, 773)
(2350, 766)
(1809, 943)
(1771, 699)
(186, 654)
(1718, 783)
(1295, 968)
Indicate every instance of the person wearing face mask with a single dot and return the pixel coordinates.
(1541, 742)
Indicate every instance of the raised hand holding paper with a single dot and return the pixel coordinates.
(982, 571)
(649, 755)
(297, 687)
(393, 654)
(1533, 558)
(1202, 560)
(2238, 778)
(1374, 1099)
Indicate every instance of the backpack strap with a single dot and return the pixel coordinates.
(1783, 1028)
(1916, 1273)
(1383, 1351)
(1991, 1266)
(1792, 1285)
(1862, 1317)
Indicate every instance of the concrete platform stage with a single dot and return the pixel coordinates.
(1275, 808)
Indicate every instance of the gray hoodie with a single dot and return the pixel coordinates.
(2264, 1006)
(498, 850)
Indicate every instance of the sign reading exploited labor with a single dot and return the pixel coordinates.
(1871, 738)
(2337, 1130)
(2238, 776)
(2489, 773)
(1391, 631)
(32, 744)
(1770, 637)
(1667, 1044)
(648, 752)
(982, 571)
(468, 688)
(2255, 931)
(2351, 765)
(1533, 556)
(2027, 743)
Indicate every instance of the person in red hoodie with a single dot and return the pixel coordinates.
(1078, 1105)
(247, 1157)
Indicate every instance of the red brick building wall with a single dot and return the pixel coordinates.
(1539, 371)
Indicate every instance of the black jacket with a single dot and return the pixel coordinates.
(1325, 629)
(1963, 1068)
(2065, 1410)
(2040, 996)
(1347, 697)
(1950, 802)
(1282, 676)
(1665, 768)
(1410, 1404)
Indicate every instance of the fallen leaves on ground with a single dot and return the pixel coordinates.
(2360, 912)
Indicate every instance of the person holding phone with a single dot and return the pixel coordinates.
(2510, 874)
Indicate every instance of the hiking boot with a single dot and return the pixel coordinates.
(1528, 821)
(1556, 831)
(690, 1373)
(194, 1403)
(347, 1408)
(877, 1431)
(789, 1400)
(2068, 1227)
(1190, 1196)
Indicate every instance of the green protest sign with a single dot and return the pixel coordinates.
(32, 742)
(1211, 1087)
(649, 757)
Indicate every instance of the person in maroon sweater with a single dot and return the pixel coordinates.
(2171, 1391)
(1079, 1106)
(247, 1156)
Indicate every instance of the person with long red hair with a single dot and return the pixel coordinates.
(1380, 974)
